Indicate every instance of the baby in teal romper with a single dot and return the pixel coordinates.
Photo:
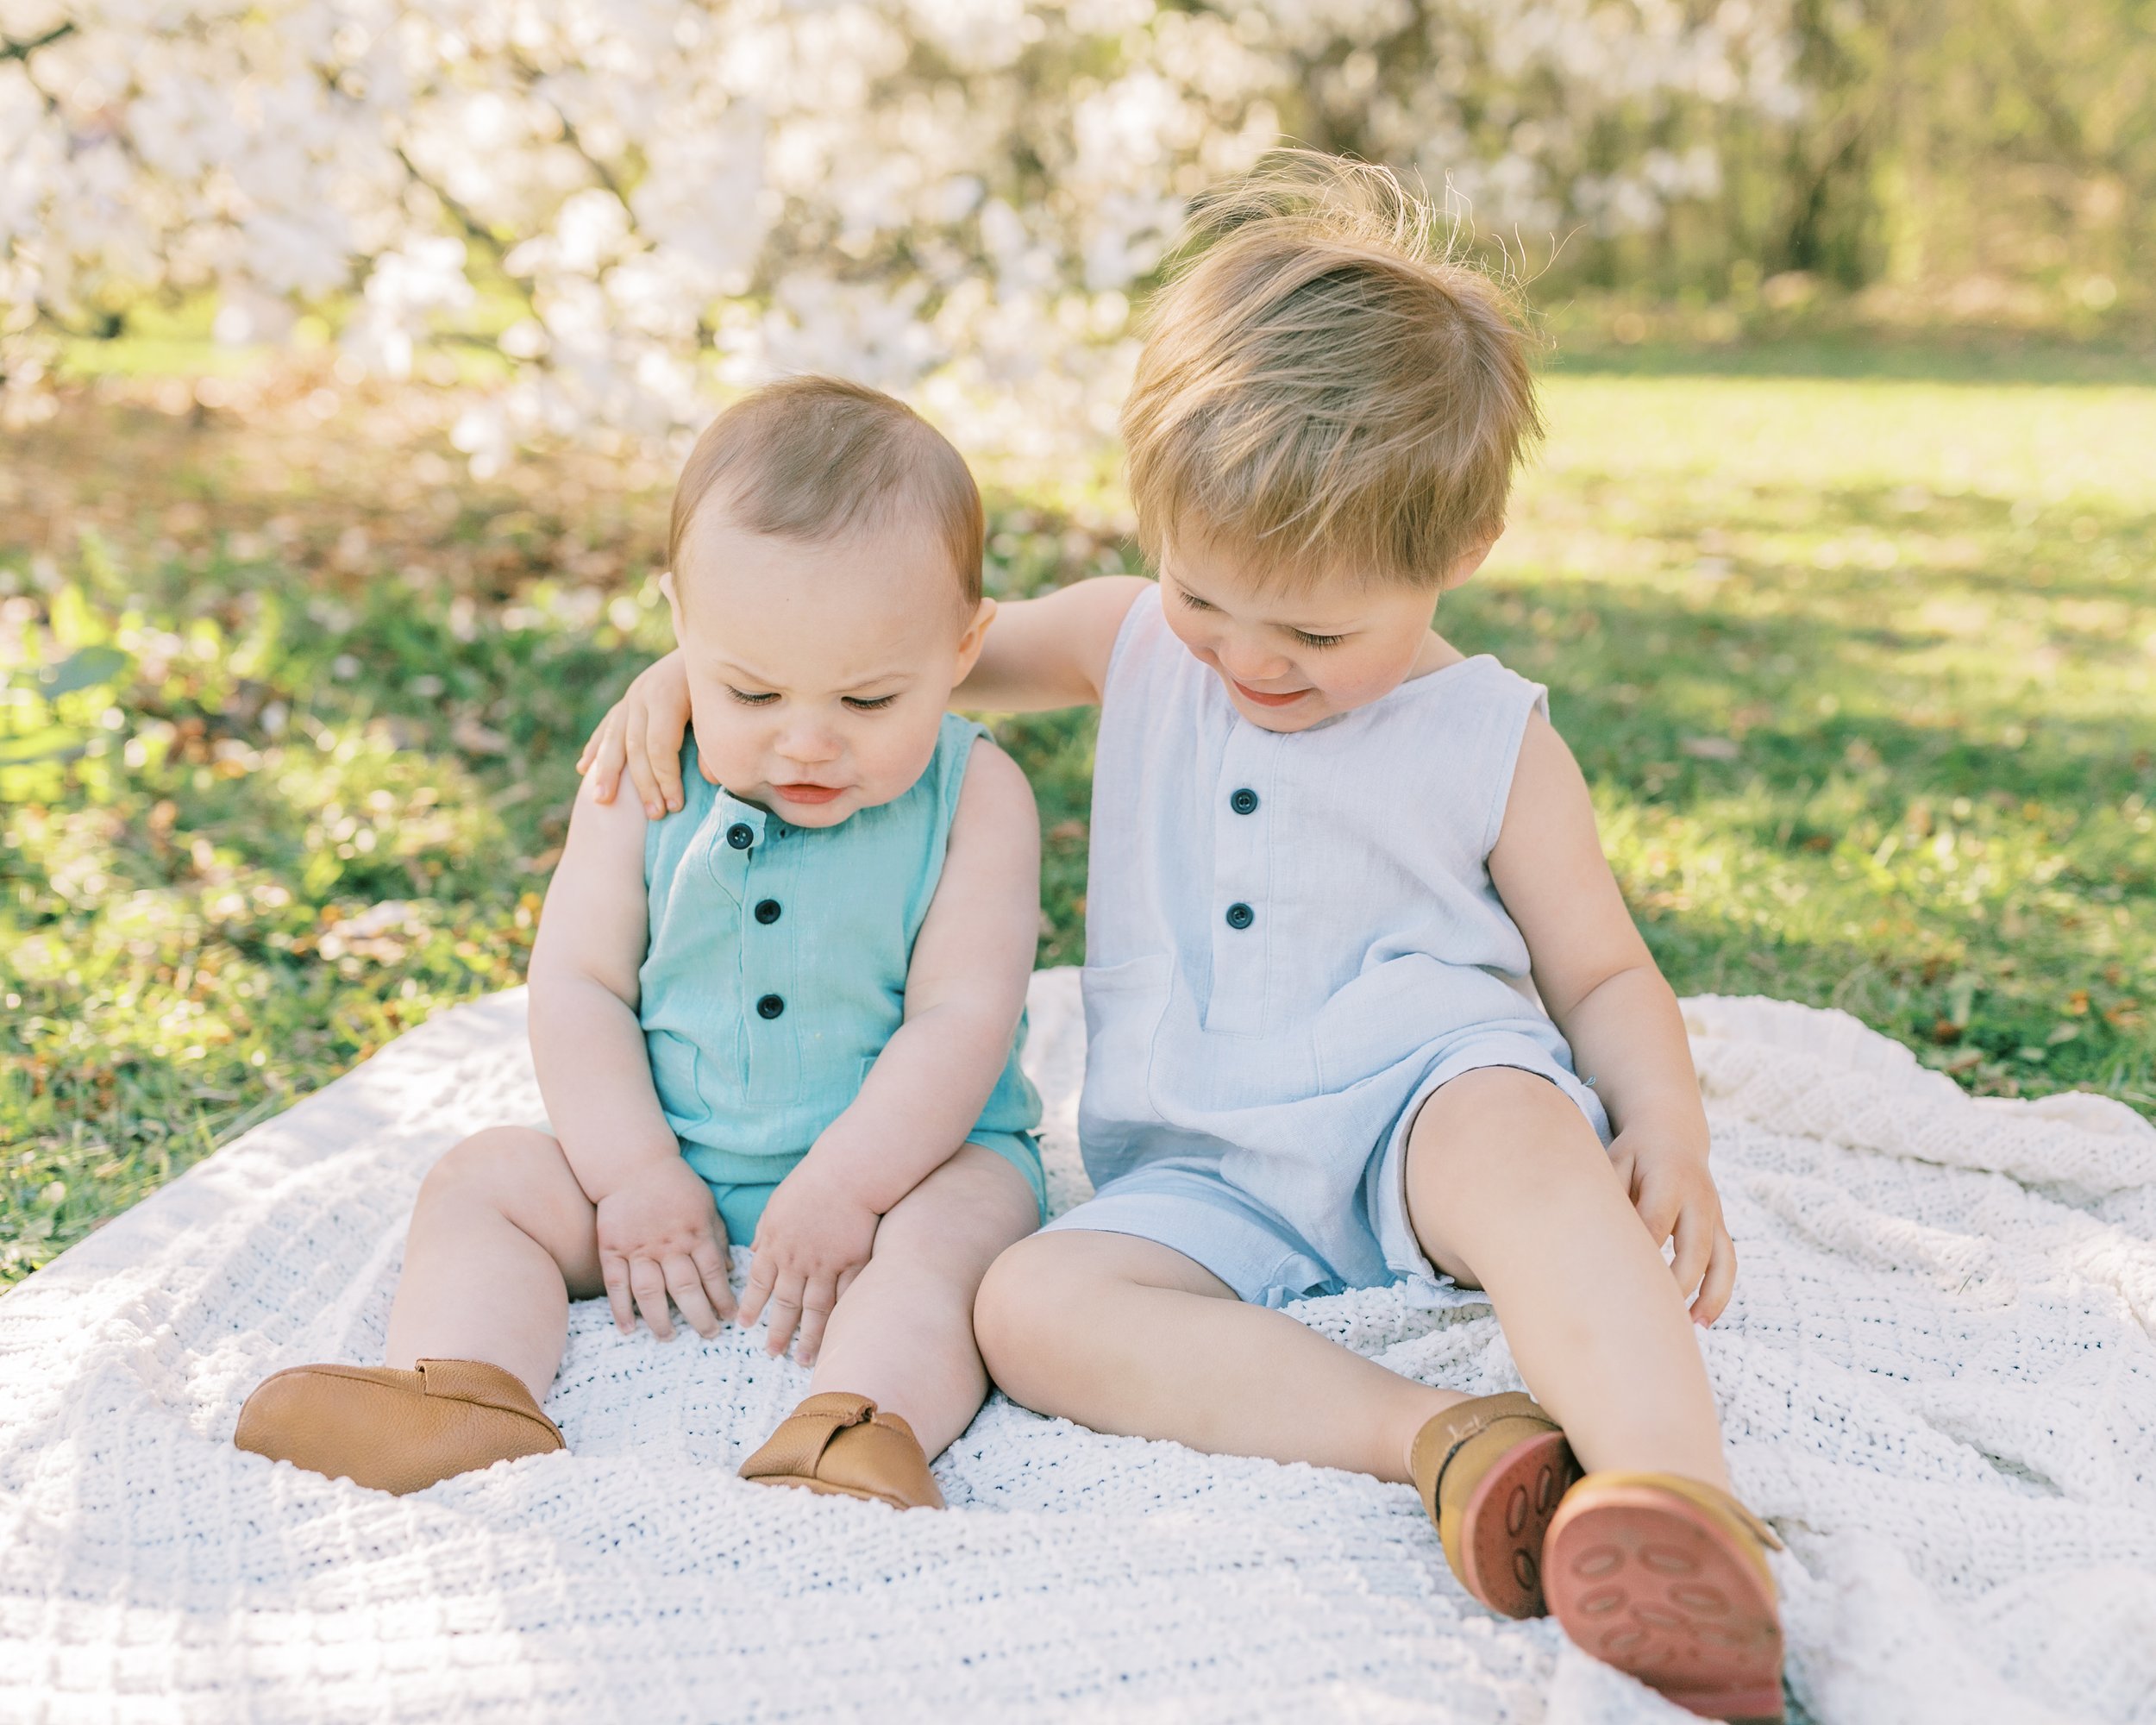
(786, 1016)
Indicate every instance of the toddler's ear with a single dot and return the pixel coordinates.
(1473, 558)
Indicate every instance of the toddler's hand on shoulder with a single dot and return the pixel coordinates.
(814, 1238)
(1670, 1185)
(660, 1236)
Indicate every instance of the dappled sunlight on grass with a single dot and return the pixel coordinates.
(1863, 676)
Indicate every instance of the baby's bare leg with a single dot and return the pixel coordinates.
(501, 1240)
(1129, 1336)
(902, 1333)
(1510, 1190)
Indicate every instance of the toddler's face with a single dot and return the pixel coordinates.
(1289, 658)
(818, 673)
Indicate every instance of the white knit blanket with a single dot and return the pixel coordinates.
(1938, 1380)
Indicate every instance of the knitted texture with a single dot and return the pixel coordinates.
(1938, 1379)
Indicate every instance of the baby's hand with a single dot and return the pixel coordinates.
(1675, 1195)
(643, 731)
(813, 1239)
(659, 1234)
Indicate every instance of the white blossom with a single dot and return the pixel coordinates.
(959, 199)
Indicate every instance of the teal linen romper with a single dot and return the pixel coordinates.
(776, 971)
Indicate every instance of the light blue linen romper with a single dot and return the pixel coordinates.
(1292, 940)
(776, 973)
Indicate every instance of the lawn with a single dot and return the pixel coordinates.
(1858, 654)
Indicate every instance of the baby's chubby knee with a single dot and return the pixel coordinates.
(494, 1168)
(1035, 1294)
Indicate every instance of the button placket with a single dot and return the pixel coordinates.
(768, 1015)
(1243, 828)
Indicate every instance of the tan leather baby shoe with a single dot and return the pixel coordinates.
(839, 1443)
(395, 1431)
(1491, 1471)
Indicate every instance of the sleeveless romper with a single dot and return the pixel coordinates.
(776, 969)
(1291, 941)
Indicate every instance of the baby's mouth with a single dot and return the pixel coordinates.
(809, 795)
(1260, 698)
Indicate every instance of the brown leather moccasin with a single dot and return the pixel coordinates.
(395, 1431)
(839, 1443)
(1491, 1471)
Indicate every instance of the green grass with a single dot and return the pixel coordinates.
(1861, 671)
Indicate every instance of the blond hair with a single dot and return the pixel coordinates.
(814, 458)
(1325, 385)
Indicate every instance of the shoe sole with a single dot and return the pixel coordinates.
(1505, 1520)
(1655, 1586)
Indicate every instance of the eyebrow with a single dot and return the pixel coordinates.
(745, 674)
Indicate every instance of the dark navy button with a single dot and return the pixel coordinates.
(770, 1007)
(767, 912)
(1241, 916)
(741, 835)
(1243, 802)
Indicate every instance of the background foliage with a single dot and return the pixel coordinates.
(344, 345)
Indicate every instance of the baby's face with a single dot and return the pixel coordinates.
(1291, 657)
(818, 673)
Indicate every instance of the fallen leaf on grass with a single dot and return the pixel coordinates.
(1708, 747)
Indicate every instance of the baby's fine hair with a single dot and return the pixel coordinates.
(813, 458)
(1325, 385)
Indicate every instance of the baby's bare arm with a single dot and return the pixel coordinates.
(656, 1229)
(964, 990)
(1619, 1014)
(585, 1040)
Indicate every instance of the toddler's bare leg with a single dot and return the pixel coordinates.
(902, 1333)
(1129, 1336)
(502, 1239)
(1509, 1189)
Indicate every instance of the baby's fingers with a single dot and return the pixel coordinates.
(654, 762)
(783, 1316)
(763, 1271)
(1696, 1229)
(650, 1285)
(711, 1265)
(1719, 1281)
(614, 1270)
(685, 1282)
(602, 758)
(817, 1300)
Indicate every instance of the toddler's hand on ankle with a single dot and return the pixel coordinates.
(660, 1236)
(814, 1238)
(1667, 1176)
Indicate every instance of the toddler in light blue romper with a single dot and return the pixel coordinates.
(1285, 955)
(776, 973)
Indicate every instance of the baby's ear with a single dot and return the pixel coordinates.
(976, 631)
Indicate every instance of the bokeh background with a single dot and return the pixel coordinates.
(346, 348)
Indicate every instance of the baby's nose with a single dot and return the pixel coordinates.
(809, 744)
(1247, 662)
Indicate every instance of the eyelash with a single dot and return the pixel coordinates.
(859, 706)
(1196, 604)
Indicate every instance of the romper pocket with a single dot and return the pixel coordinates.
(674, 1075)
(1125, 1004)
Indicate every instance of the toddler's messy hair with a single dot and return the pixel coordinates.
(1325, 385)
(811, 458)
